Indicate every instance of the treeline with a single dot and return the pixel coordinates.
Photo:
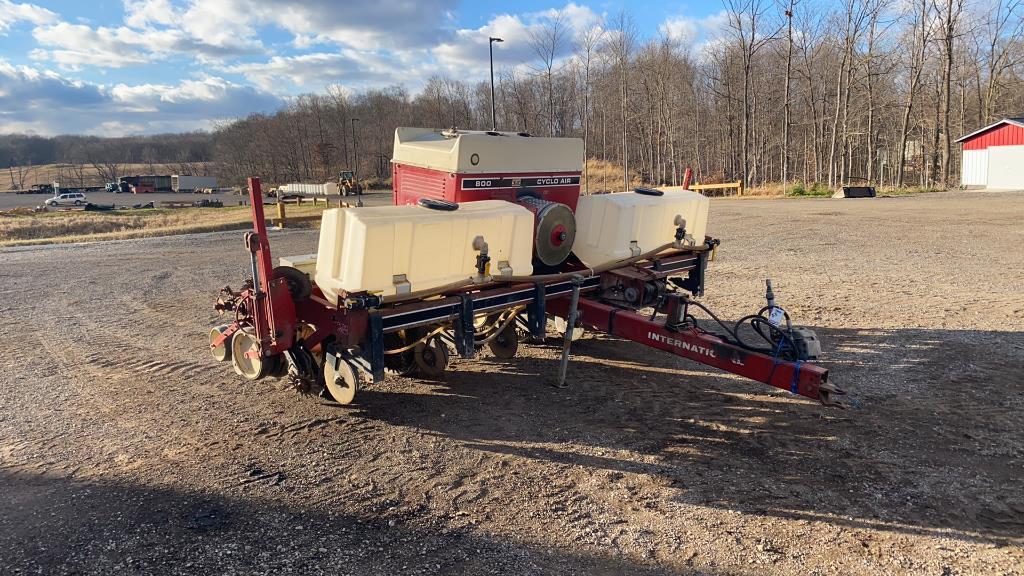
(25, 150)
(790, 90)
(862, 89)
(92, 160)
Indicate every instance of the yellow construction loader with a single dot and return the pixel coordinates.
(349, 184)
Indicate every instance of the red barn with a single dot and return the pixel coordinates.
(993, 157)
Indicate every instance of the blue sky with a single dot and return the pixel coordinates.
(144, 66)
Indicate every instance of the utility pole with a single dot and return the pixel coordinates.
(490, 48)
(355, 148)
(788, 114)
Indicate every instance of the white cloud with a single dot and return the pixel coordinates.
(696, 33)
(46, 102)
(313, 72)
(145, 13)
(577, 17)
(228, 24)
(11, 13)
(467, 50)
(357, 44)
(74, 46)
(77, 45)
(215, 30)
(360, 24)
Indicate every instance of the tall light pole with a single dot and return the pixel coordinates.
(355, 148)
(490, 48)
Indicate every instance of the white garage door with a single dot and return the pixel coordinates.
(974, 168)
(1006, 168)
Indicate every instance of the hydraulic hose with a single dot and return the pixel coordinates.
(758, 322)
(408, 347)
(501, 327)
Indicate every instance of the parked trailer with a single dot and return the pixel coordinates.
(144, 184)
(192, 183)
(325, 189)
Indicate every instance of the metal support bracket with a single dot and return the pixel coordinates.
(464, 331)
(694, 281)
(536, 313)
(376, 348)
(570, 326)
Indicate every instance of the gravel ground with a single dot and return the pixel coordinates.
(124, 449)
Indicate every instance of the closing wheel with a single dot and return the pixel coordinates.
(560, 325)
(431, 357)
(252, 366)
(506, 343)
(342, 382)
(222, 351)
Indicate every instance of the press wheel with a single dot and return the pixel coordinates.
(250, 368)
(221, 352)
(342, 382)
(431, 357)
(506, 343)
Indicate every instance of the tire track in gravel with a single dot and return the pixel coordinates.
(133, 368)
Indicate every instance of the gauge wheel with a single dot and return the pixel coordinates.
(506, 343)
(431, 357)
(253, 367)
(342, 382)
(221, 352)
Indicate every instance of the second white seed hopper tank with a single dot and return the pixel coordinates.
(389, 250)
(611, 227)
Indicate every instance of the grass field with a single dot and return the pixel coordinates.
(21, 228)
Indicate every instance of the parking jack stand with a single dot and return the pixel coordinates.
(570, 326)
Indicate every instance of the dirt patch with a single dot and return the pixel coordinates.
(123, 448)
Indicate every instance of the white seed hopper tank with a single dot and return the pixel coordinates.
(389, 250)
(612, 227)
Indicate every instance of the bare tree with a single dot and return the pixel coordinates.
(548, 40)
(746, 18)
(20, 174)
(108, 168)
(919, 35)
(586, 47)
(790, 6)
(949, 13)
(621, 46)
(1004, 28)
